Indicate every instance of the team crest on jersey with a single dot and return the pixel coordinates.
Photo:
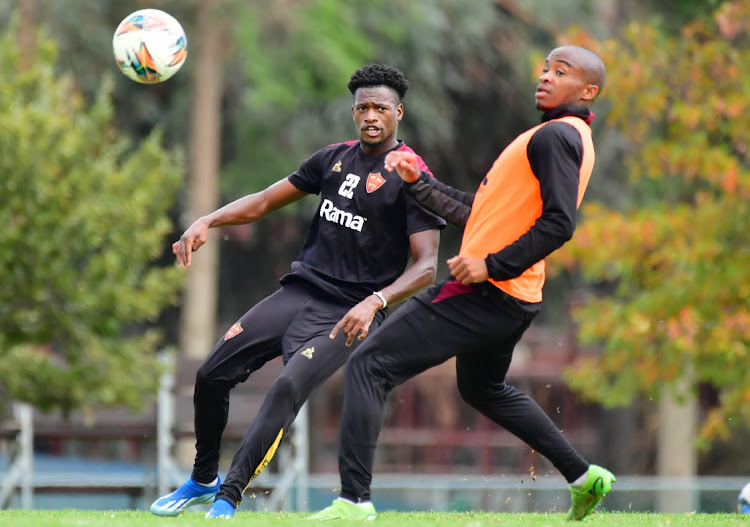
(309, 352)
(336, 167)
(233, 331)
(374, 182)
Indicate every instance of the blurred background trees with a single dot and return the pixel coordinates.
(666, 261)
(83, 217)
(673, 248)
(657, 269)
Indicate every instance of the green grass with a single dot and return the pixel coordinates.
(55, 518)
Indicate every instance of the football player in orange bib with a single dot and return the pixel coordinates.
(524, 209)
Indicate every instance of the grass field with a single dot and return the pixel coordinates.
(55, 518)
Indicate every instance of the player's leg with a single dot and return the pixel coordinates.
(480, 375)
(418, 336)
(311, 358)
(437, 324)
(299, 378)
(366, 386)
(255, 339)
(481, 382)
(234, 358)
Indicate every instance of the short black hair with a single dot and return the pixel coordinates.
(379, 75)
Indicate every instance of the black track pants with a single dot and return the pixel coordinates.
(286, 323)
(477, 324)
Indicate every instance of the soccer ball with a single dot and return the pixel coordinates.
(149, 46)
(743, 500)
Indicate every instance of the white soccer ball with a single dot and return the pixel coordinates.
(149, 46)
(743, 500)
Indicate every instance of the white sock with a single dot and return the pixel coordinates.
(361, 503)
(581, 479)
(212, 484)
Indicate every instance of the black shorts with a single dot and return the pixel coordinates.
(296, 318)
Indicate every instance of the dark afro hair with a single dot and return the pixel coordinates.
(379, 75)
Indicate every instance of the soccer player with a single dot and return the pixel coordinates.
(524, 209)
(351, 267)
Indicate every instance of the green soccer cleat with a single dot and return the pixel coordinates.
(343, 510)
(584, 498)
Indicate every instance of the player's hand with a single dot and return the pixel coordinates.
(405, 163)
(468, 269)
(190, 241)
(358, 320)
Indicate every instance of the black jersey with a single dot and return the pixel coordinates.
(359, 237)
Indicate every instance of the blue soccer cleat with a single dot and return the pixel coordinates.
(221, 509)
(190, 493)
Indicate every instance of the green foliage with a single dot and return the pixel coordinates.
(676, 252)
(299, 60)
(677, 13)
(82, 218)
(296, 60)
(304, 47)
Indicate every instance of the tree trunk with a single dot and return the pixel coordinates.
(27, 32)
(198, 316)
(676, 453)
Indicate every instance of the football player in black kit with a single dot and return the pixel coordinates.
(351, 267)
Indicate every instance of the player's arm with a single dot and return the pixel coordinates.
(555, 153)
(447, 202)
(244, 210)
(424, 253)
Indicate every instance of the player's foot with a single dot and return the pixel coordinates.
(188, 494)
(344, 510)
(221, 509)
(583, 498)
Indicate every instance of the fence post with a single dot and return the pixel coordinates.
(164, 425)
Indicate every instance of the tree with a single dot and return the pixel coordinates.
(198, 315)
(82, 218)
(298, 61)
(673, 252)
